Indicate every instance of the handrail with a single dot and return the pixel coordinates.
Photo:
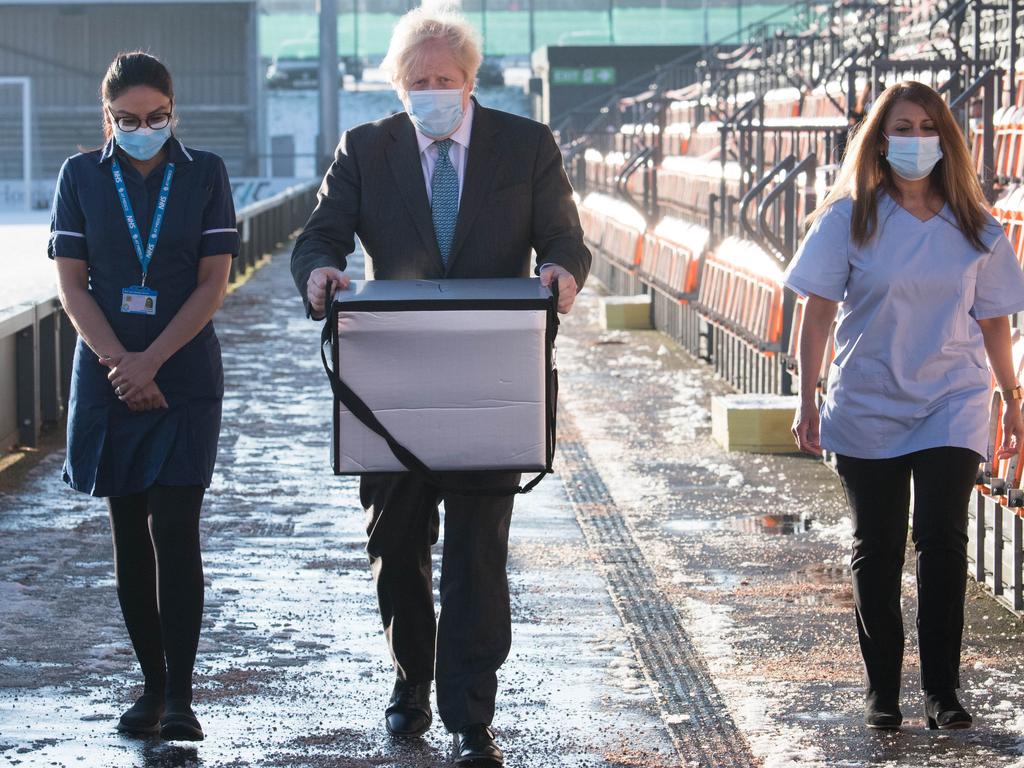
(987, 82)
(754, 191)
(782, 247)
(946, 15)
(980, 82)
(631, 167)
(273, 201)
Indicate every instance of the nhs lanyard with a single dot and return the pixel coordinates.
(129, 216)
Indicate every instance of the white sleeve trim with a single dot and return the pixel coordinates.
(64, 232)
(215, 231)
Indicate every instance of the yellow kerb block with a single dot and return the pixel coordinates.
(626, 313)
(754, 423)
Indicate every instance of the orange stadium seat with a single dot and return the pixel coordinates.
(671, 256)
(741, 287)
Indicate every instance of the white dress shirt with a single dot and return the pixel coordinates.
(458, 153)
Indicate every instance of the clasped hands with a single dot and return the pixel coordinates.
(131, 375)
(316, 287)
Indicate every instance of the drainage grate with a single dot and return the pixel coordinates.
(249, 528)
(692, 708)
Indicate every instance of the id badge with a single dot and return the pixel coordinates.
(138, 300)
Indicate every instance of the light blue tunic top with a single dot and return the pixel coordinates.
(910, 370)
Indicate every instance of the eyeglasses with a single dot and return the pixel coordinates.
(129, 123)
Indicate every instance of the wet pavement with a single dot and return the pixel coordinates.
(673, 604)
(292, 666)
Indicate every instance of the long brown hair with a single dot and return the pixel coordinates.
(865, 169)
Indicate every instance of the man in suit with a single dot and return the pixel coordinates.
(446, 189)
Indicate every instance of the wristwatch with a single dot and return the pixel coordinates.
(1017, 393)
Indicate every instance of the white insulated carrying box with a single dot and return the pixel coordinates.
(457, 373)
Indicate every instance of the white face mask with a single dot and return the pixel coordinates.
(435, 113)
(913, 157)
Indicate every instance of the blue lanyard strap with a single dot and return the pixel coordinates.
(129, 216)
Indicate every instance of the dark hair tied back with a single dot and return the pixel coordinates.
(131, 69)
(136, 68)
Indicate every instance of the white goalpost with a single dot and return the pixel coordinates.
(26, 131)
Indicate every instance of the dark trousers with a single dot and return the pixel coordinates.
(159, 572)
(878, 492)
(464, 647)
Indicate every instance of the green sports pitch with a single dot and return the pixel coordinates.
(507, 33)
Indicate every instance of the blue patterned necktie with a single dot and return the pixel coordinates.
(444, 199)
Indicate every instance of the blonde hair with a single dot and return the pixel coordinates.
(865, 170)
(431, 21)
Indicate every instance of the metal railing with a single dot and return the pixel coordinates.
(37, 339)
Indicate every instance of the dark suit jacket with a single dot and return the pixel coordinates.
(515, 197)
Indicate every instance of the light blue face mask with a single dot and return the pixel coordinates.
(436, 113)
(913, 157)
(143, 143)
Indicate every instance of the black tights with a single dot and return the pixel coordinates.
(160, 581)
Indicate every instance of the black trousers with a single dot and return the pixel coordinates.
(466, 644)
(878, 492)
(159, 572)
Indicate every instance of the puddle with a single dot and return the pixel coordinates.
(772, 524)
(825, 573)
(768, 524)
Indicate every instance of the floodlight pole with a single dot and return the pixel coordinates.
(707, 31)
(533, 29)
(328, 82)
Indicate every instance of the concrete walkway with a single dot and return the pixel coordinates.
(674, 605)
(292, 668)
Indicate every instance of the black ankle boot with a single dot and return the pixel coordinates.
(944, 711)
(179, 722)
(144, 715)
(882, 710)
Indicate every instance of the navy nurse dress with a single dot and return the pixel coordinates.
(112, 451)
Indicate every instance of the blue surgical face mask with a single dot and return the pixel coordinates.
(913, 157)
(143, 143)
(435, 113)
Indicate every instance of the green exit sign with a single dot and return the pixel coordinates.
(583, 76)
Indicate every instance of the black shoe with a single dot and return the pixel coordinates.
(882, 710)
(944, 712)
(144, 715)
(408, 714)
(475, 745)
(179, 723)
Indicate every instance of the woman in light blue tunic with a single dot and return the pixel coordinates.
(924, 279)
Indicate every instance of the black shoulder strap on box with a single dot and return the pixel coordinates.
(409, 460)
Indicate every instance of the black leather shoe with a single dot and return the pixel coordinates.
(179, 722)
(144, 715)
(475, 745)
(882, 710)
(408, 714)
(944, 711)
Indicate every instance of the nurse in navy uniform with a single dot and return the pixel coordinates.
(143, 233)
